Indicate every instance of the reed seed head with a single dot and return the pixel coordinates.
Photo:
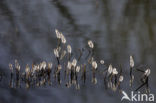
(110, 69)
(44, 64)
(77, 68)
(56, 53)
(147, 72)
(11, 67)
(94, 64)
(115, 72)
(131, 62)
(69, 65)
(90, 44)
(50, 65)
(58, 35)
(63, 39)
(27, 69)
(102, 61)
(121, 78)
(69, 49)
(17, 66)
(74, 62)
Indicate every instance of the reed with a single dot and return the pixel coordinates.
(75, 69)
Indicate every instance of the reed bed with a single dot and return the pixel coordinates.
(75, 72)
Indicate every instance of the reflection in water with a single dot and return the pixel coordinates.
(65, 13)
(119, 29)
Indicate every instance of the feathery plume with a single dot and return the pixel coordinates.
(17, 66)
(147, 72)
(77, 68)
(50, 65)
(69, 65)
(74, 62)
(56, 53)
(69, 49)
(114, 71)
(90, 44)
(27, 69)
(102, 61)
(44, 64)
(131, 62)
(58, 35)
(110, 69)
(63, 39)
(121, 78)
(94, 64)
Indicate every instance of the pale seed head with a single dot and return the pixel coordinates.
(17, 66)
(121, 78)
(58, 35)
(27, 69)
(69, 65)
(77, 68)
(44, 64)
(63, 39)
(74, 62)
(90, 44)
(110, 69)
(115, 72)
(69, 49)
(102, 61)
(131, 62)
(56, 52)
(147, 72)
(94, 64)
(50, 65)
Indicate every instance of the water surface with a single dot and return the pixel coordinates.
(119, 28)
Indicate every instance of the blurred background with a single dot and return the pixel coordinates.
(118, 28)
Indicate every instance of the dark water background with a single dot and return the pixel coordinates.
(119, 28)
